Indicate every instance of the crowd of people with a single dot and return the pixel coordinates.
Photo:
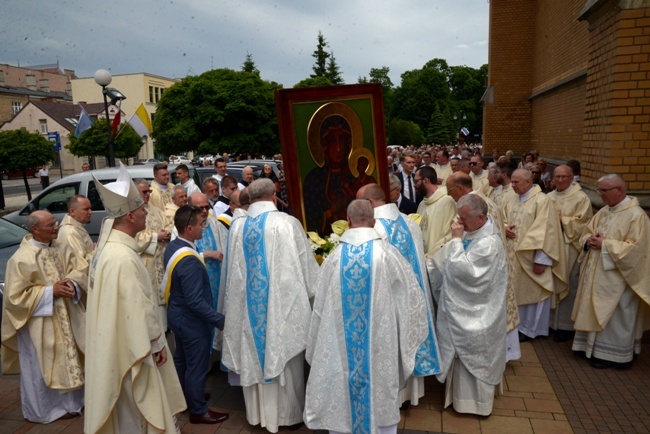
(443, 276)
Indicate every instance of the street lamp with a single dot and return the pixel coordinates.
(460, 118)
(104, 78)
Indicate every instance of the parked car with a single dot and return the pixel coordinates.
(54, 198)
(234, 169)
(146, 161)
(179, 159)
(11, 236)
(15, 173)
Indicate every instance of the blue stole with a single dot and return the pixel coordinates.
(427, 361)
(356, 302)
(208, 242)
(257, 282)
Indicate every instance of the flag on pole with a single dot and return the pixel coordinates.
(117, 119)
(141, 122)
(84, 122)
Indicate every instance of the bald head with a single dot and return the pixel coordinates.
(198, 199)
(458, 185)
(522, 181)
(374, 193)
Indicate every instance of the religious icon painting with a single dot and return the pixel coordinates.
(333, 143)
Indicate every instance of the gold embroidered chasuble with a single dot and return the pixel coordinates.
(604, 276)
(58, 339)
(538, 228)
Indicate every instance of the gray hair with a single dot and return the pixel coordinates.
(475, 203)
(139, 181)
(176, 189)
(394, 182)
(31, 221)
(616, 179)
(262, 188)
(361, 213)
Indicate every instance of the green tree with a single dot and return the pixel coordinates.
(249, 65)
(421, 89)
(321, 56)
(314, 81)
(438, 131)
(94, 142)
(404, 133)
(333, 71)
(22, 150)
(380, 75)
(218, 111)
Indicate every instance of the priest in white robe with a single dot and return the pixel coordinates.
(43, 325)
(574, 210)
(472, 309)
(271, 276)
(406, 236)
(133, 385)
(369, 321)
(73, 238)
(613, 301)
(536, 264)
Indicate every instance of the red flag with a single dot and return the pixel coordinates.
(117, 119)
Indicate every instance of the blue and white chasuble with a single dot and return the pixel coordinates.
(368, 322)
(426, 360)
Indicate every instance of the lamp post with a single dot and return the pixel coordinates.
(460, 118)
(104, 78)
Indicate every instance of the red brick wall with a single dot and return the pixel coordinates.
(557, 121)
(617, 123)
(507, 121)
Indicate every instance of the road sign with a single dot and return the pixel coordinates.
(56, 138)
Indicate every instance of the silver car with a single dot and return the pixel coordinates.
(54, 198)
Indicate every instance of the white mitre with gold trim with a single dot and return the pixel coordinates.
(119, 198)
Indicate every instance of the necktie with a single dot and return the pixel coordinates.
(410, 189)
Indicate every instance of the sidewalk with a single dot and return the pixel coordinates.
(548, 391)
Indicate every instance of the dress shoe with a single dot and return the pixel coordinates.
(295, 426)
(564, 335)
(597, 363)
(524, 338)
(209, 418)
(68, 416)
(623, 366)
(580, 354)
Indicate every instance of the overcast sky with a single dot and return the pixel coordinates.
(174, 38)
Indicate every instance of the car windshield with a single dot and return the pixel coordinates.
(10, 234)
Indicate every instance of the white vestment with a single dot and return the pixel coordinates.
(43, 335)
(414, 389)
(472, 314)
(271, 276)
(369, 320)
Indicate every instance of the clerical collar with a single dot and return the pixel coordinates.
(188, 242)
(525, 195)
(39, 244)
(162, 187)
(627, 199)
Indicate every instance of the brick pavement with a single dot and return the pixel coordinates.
(548, 391)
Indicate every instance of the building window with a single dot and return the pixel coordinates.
(151, 94)
(157, 94)
(16, 106)
(43, 125)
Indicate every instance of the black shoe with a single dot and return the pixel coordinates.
(597, 363)
(211, 417)
(564, 335)
(623, 366)
(295, 426)
(580, 354)
(405, 405)
(524, 338)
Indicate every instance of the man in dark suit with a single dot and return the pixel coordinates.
(404, 205)
(190, 314)
(407, 178)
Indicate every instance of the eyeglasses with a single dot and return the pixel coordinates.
(605, 190)
(189, 219)
(146, 191)
(472, 163)
(204, 207)
(536, 173)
